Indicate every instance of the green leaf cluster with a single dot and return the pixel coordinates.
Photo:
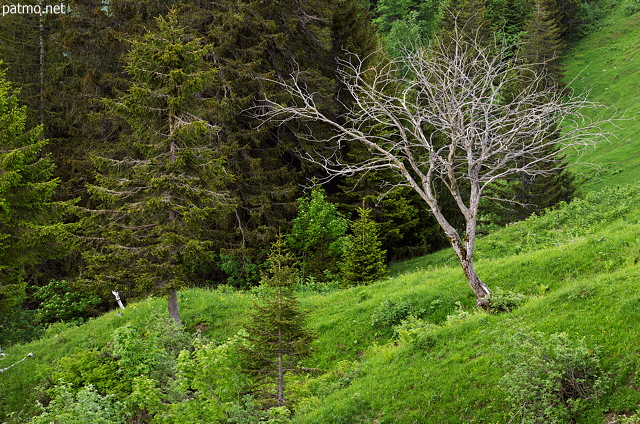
(317, 234)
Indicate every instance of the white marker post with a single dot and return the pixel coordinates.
(117, 295)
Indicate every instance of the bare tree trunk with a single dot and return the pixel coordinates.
(280, 370)
(464, 252)
(42, 52)
(173, 306)
(479, 288)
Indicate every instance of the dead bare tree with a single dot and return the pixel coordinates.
(453, 117)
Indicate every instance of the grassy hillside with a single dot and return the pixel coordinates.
(607, 63)
(578, 268)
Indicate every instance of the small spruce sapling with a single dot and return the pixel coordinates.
(363, 259)
(276, 338)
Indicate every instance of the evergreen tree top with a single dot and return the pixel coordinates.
(280, 271)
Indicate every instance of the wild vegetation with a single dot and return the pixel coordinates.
(298, 315)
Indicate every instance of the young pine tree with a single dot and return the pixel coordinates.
(276, 337)
(159, 196)
(363, 260)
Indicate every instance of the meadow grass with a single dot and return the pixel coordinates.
(607, 65)
(578, 266)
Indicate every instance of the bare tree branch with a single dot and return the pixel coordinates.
(453, 117)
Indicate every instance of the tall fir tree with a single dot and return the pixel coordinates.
(31, 226)
(159, 199)
(277, 339)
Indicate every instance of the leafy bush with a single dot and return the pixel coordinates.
(630, 7)
(458, 315)
(390, 313)
(310, 284)
(416, 331)
(60, 303)
(204, 389)
(505, 301)
(86, 406)
(633, 419)
(550, 378)
(133, 351)
(317, 235)
(242, 271)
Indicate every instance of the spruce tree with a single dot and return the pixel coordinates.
(509, 18)
(468, 17)
(363, 261)
(277, 339)
(92, 40)
(255, 42)
(159, 198)
(31, 228)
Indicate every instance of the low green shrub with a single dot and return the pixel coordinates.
(417, 332)
(505, 301)
(459, 315)
(390, 313)
(60, 303)
(551, 377)
(633, 419)
(242, 271)
(84, 406)
(631, 7)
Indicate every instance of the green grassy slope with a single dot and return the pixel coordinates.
(607, 63)
(578, 266)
